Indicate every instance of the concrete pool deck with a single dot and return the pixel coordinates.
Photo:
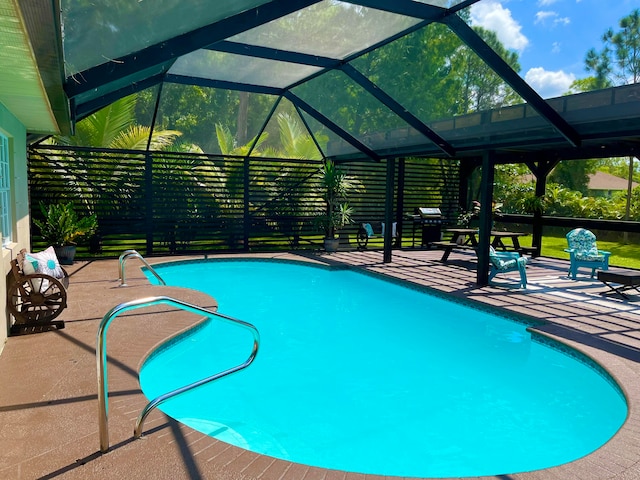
(48, 399)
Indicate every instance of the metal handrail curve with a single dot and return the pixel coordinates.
(101, 360)
(124, 256)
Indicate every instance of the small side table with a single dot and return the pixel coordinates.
(624, 280)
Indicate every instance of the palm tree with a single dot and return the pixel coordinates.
(106, 184)
(113, 127)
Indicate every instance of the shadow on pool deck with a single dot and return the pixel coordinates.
(48, 402)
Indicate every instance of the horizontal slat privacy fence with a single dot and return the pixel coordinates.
(170, 203)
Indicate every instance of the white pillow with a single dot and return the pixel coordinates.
(45, 262)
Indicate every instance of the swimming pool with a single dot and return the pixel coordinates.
(364, 375)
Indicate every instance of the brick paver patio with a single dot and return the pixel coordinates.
(48, 400)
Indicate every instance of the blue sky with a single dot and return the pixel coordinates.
(551, 36)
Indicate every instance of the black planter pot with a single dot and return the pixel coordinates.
(65, 254)
(331, 244)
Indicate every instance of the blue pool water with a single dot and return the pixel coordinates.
(359, 374)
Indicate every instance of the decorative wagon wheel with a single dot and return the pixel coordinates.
(362, 238)
(36, 299)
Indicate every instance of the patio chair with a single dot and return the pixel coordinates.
(583, 252)
(501, 262)
(35, 299)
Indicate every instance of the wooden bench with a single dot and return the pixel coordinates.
(35, 299)
(527, 250)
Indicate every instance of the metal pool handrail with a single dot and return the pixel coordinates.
(123, 259)
(101, 360)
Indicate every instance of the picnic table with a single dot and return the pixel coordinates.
(466, 239)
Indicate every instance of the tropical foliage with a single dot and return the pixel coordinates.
(60, 224)
(336, 185)
(115, 126)
(618, 62)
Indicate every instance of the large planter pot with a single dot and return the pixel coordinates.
(331, 244)
(65, 254)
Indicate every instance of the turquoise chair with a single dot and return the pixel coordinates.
(583, 252)
(501, 262)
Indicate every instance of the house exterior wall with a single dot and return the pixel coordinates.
(19, 197)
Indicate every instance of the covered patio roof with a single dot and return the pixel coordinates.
(336, 62)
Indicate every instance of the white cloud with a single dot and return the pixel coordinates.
(544, 3)
(493, 16)
(544, 15)
(549, 84)
(556, 47)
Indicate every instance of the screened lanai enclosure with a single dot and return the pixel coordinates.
(242, 101)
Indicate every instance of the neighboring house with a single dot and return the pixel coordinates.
(600, 184)
(30, 103)
(604, 184)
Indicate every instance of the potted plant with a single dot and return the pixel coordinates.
(469, 218)
(337, 213)
(465, 217)
(61, 227)
(533, 204)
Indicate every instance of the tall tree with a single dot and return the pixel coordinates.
(618, 62)
(573, 174)
(482, 88)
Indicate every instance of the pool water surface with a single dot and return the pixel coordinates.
(364, 375)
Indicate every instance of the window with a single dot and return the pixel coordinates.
(5, 191)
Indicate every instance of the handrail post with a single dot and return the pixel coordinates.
(121, 261)
(101, 360)
(124, 256)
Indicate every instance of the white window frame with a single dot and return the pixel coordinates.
(6, 217)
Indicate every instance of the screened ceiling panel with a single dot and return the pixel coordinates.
(287, 136)
(236, 68)
(218, 120)
(330, 29)
(105, 94)
(425, 85)
(368, 120)
(367, 77)
(100, 31)
(329, 140)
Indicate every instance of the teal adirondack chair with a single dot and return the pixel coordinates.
(583, 252)
(507, 262)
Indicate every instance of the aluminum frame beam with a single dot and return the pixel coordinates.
(502, 68)
(299, 103)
